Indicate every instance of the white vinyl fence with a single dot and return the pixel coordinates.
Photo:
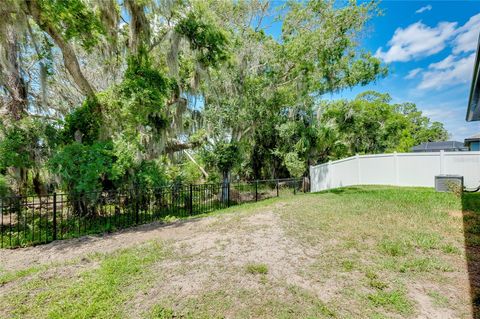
(402, 169)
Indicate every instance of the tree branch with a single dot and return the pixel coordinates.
(69, 57)
(204, 172)
(177, 146)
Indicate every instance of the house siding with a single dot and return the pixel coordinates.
(475, 146)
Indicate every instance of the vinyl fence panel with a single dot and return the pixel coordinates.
(402, 169)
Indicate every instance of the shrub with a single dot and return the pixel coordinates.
(83, 168)
(4, 188)
(85, 120)
(150, 174)
(295, 166)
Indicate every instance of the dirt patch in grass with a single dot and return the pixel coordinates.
(211, 261)
(428, 304)
(456, 213)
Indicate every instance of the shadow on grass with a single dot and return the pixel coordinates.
(345, 190)
(368, 189)
(471, 227)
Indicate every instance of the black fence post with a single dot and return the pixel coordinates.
(228, 194)
(191, 199)
(136, 199)
(55, 216)
(277, 188)
(294, 188)
(256, 190)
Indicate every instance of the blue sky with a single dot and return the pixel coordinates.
(429, 47)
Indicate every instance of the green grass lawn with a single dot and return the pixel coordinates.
(358, 252)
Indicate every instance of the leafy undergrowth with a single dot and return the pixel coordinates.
(358, 252)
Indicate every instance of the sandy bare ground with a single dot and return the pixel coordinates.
(64, 250)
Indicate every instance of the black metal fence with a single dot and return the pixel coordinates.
(33, 220)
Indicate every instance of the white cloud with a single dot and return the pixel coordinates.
(423, 9)
(417, 40)
(443, 64)
(440, 114)
(449, 72)
(413, 73)
(467, 38)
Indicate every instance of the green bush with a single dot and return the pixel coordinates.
(21, 142)
(85, 120)
(226, 155)
(83, 168)
(4, 188)
(150, 175)
(295, 165)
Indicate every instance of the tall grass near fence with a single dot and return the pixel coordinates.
(33, 220)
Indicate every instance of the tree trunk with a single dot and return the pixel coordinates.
(69, 57)
(14, 82)
(139, 26)
(17, 104)
(225, 187)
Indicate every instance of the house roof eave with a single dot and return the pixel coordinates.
(473, 109)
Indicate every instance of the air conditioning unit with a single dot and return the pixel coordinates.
(448, 183)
